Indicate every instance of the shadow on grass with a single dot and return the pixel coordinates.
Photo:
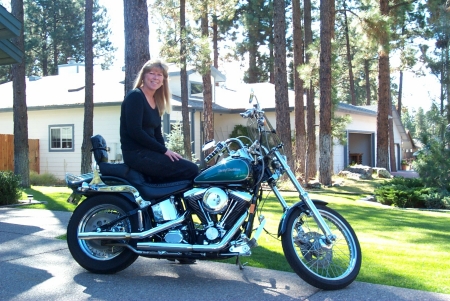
(55, 200)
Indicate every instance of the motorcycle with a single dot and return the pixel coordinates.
(124, 215)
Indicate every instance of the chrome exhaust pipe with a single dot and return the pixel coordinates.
(133, 235)
(168, 247)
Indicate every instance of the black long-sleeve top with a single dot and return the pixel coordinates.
(140, 124)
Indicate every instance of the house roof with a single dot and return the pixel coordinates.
(9, 27)
(363, 110)
(238, 98)
(66, 90)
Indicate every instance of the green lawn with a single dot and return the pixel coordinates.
(55, 198)
(404, 248)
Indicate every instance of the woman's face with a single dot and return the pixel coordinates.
(153, 79)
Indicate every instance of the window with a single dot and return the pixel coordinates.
(61, 137)
(196, 88)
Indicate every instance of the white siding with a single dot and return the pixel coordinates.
(175, 85)
(106, 123)
(361, 123)
(338, 157)
(7, 123)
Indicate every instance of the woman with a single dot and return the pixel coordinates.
(141, 137)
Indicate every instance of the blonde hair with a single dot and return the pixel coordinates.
(162, 95)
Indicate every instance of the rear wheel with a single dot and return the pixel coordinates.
(326, 266)
(99, 256)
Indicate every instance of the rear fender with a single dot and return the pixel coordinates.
(76, 197)
(299, 205)
(77, 194)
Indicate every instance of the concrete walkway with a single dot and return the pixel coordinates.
(405, 174)
(36, 266)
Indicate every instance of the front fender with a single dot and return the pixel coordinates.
(300, 205)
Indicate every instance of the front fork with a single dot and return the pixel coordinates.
(330, 238)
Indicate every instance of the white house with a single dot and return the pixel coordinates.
(55, 116)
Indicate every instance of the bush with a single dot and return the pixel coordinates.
(437, 200)
(411, 193)
(10, 191)
(45, 179)
(433, 164)
(175, 140)
(403, 193)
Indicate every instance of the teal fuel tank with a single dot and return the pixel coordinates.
(230, 170)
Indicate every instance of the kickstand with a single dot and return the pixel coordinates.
(238, 262)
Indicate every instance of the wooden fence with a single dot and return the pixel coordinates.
(7, 153)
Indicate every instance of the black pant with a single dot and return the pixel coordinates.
(159, 167)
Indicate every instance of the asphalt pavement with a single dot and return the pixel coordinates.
(34, 265)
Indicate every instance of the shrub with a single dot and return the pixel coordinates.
(175, 140)
(9, 188)
(402, 192)
(411, 193)
(433, 164)
(45, 179)
(437, 200)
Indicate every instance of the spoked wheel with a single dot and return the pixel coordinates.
(99, 256)
(321, 264)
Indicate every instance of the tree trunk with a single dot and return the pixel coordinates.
(184, 84)
(45, 59)
(208, 116)
(393, 162)
(252, 68)
(300, 130)
(281, 86)
(383, 94)
(137, 51)
(367, 78)
(21, 160)
(400, 86)
(271, 57)
(325, 137)
(55, 45)
(215, 42)
(447, 72)
(349, 58)
(400, 92)
(88, 126)
(442, 81)
(311, 166)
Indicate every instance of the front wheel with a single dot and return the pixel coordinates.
(101, 256)
(325, 266)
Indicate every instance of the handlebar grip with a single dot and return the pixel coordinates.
(211, 155)
(218, 148)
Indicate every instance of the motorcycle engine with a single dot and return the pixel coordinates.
(215, 200)
(217, 208)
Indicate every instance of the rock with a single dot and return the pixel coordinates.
(370, 198)
(357, 172)
(382, 173)
(314, 185)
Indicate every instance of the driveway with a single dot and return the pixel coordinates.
(37, 266)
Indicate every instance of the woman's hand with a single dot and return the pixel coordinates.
(173, 155)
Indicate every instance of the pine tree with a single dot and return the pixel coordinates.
(54, 31)
(20, 114)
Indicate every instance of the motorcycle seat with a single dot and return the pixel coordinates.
(148, 189)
